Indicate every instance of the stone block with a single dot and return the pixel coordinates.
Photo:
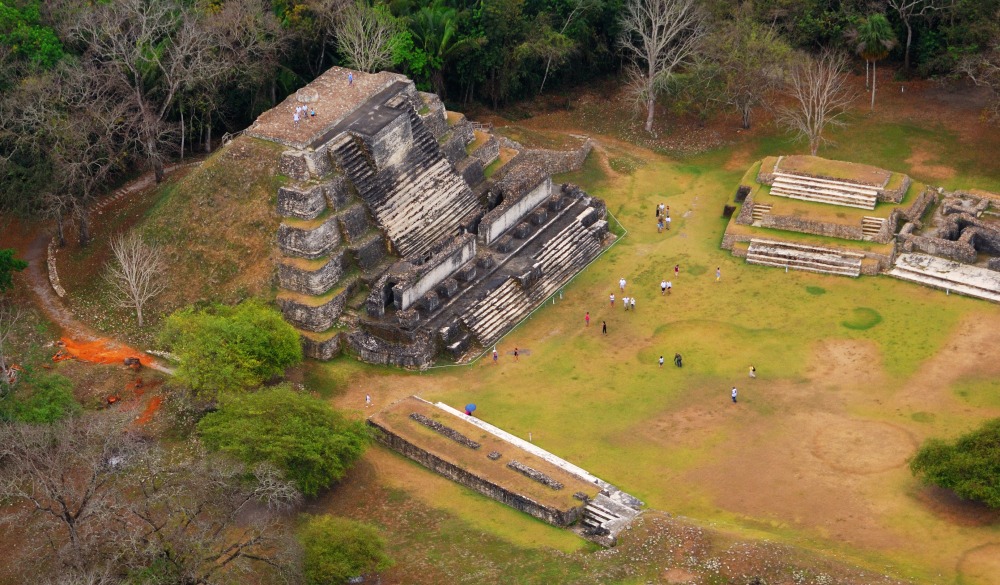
(447, 288)
(408, 319)
(538, 216)
(338, 192)
(354, 222)
(505, 244)
(486, 261)
(310, 316)
(453, 147)
(309, 280)
(321, 349)
(293, 164)
(308, 240)
(301, 201)
(557, 202)
(457, 348)
(488, 152)
(368, 253)
(430, 302)
(521, 230)
(450, 331)
(467, 273)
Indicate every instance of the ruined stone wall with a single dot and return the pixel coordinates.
(795, 224)
(391, 143)
(895, 195)
(435, 117)
(309, 243)
(424, 278)
(517, 501)
(956, 250)
(311, 282)
(471, 169)
(321, 350)
(911, 214)
(369, 253)
(489, 151)
(314, 318)
(354, 222)
(453, 147)
(368, 348)
(511, 211)
(302, 201)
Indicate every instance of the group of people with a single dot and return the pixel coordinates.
(303, 112)
(662, 217)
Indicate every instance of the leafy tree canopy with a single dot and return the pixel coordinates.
(313, 444)
(224, 348)
(22, 33)
(42, 398)
(9, 264)
(970, 466)
(337, 549)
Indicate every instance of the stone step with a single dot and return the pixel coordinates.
(943, 284)
(831, 198)
(841, 185)
(803, 266)
(809, 258)
(808, 248)
(947, 274)
(778, 253)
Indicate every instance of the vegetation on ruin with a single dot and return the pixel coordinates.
(969, 465)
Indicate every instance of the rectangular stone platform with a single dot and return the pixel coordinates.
(947, 275)
(802, 257)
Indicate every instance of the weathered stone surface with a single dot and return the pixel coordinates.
(445, 431)
(447, 288)
(408, 319)
(369, 252)
(467, 273)
(458, 347)
(453, 146)
(298, 278)
(354, 222)
(293, 164)
(534, 474)
(418, 280)
(430, 302)
(486, 261)
(521, 230)
(505, 244)
(418, 354)
(308, 241)
(321, 349)
(538, 216)
(337, 191)
(472, 170)
(302, 201)
(435, 116)
(305, 315)
(488, 152)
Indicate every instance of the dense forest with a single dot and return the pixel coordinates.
(91, 92)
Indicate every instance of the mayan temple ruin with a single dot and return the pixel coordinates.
(410, 234)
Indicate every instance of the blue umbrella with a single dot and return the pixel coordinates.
(470, 407)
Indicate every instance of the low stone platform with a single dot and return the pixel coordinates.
(801, 257)
(506, 468)
(948, 275)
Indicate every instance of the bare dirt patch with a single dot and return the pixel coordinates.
(922, 167)
(981, 564)
(862, 447)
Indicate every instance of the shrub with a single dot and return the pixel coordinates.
(301, 435)
(337, 549)
(40, 399)
(231, 348)
(970, 466)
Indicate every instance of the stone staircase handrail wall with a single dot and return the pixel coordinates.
(512, 210)
(428, 275)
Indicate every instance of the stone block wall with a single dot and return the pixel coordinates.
(489, 489)
(293, 164)
(354, 222)
(795, 224)
(895, 195)
(370, 252)
(958, 251)
(417, 355)
(410, 287)
(326, 349)
(471, 169)
(453, 146)
(302, 201)
(389, 145)
(311, 282)
(309, 243)
(338, 192)
(512, 210)
(488, 152)
(436, 118)
(315, 318)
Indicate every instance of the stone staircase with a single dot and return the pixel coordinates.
(418, 201)
(824, 191)
(606, 516)
(503, 306)
(759, 211)
(947, 275)
(563, 255)
(802, 257)
(871, 226)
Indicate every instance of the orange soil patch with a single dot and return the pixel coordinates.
(151, 407)
(103, 351)
(920, 165)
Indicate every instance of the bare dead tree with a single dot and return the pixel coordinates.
(558, 51)
(66, 475)
(364, 35)
(136, 274)
(908, 10)
(818, 86)
(10, 315)
(658, 36)
(984, 70)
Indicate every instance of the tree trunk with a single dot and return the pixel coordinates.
(59, 230)
(183, 128)
(746, 111)
(84, 226)
(873, 86)
(867, 83)
(138, 313)
(437, 80)
(208, 135)
(813, 145)
(548, 63)
(906, 55)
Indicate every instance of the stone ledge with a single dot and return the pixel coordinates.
(445, 430)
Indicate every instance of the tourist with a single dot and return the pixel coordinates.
(312, 113)
(368, 400)
(632, 300)
(670, 285)
(515, 354)
(753, 372)
(734, 394)
(621, 283)
(667, 219)
(625, 302)
(350, 78)
(677, 270)
(718, 274)
(604, 327)
(659, 226)
(661, 361)
(677, 360)
(666, 211)
(663, 287)
(612, 297)
(496, 356)
(587, 318)
(295, 118)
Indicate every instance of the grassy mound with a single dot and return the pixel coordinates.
(218, 224)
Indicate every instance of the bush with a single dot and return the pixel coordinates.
(970, 467)
(231, 348)
(301, 435)
(40, 399)
(337, 549)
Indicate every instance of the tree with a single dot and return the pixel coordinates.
(970, 466)
(434, 30)
(872, 39)
(907, 10)
(559, 46)
(984, 70)
(365, 34)
(818, 86)
(658, 36)
(10, 314)
(751, 59)
(136, 275)
(337, 549)
(8, 265)
(41, 398)
(302, 436)
(224, 348)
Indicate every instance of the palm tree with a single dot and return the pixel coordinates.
(435, 31)
(872, 39)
